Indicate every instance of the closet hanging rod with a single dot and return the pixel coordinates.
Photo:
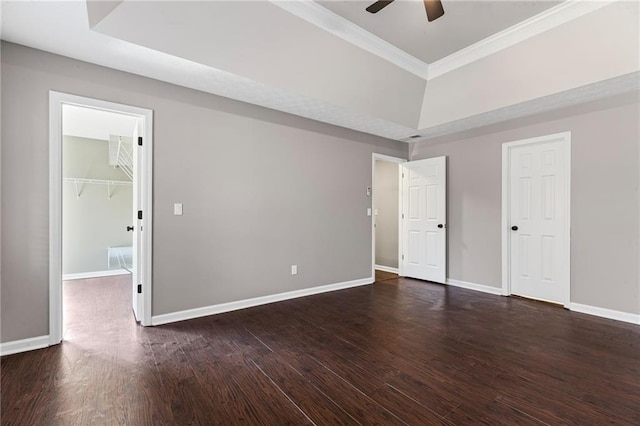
(79, 182)
(98, 181)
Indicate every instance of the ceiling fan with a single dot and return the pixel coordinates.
(434, 8)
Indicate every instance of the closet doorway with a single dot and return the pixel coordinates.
(97, 205)
(97, 193)
(100, 216)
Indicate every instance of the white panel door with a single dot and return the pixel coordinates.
(538, 220)
(424, 231)
(137, 269)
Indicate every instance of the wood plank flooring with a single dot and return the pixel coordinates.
(383, 275)
(400, 351)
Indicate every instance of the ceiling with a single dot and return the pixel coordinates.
(95, 124)
(391, 74)
(404, 23)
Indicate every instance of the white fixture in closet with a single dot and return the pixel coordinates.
(111, 184)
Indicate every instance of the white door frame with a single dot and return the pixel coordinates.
(565, 138)
(56, 101)
(381, 157)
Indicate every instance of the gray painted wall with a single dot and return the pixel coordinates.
(262, 190)
(386, 199)
(92, 222)
(604, 199)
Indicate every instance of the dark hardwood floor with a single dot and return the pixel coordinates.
(400, 351)
(384, 276)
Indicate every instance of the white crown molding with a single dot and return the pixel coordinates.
(626, 83)
(550, 18)
(77, 42)
(20, 18)
(331, 22)
(335, 24)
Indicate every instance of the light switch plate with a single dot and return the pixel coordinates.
(177, 209)
(369, 211)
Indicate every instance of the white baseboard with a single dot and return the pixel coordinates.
(94, 274)
(605, 313)
(473, 286)
(256, 301)
(386, 269)
(23, 345)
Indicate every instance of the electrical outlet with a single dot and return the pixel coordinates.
(177, 209)
(294, 269)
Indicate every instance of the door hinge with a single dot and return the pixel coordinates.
(403, 175)
(140, 140)
(403, 215)
(139, 288)
(403, 257)
(139, 214)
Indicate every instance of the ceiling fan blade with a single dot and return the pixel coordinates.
(434, 9)
(378, 6)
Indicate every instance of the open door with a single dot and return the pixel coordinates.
(137, 269)
(423, 219)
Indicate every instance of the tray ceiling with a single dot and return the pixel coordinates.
(404, 24)
(331, 61)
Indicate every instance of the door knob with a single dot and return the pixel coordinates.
(440, 226)
(514, 228)
(129, 228)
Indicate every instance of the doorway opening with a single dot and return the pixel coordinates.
(100, 206)
(385, 223)
(97, 206)
(420, 206)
